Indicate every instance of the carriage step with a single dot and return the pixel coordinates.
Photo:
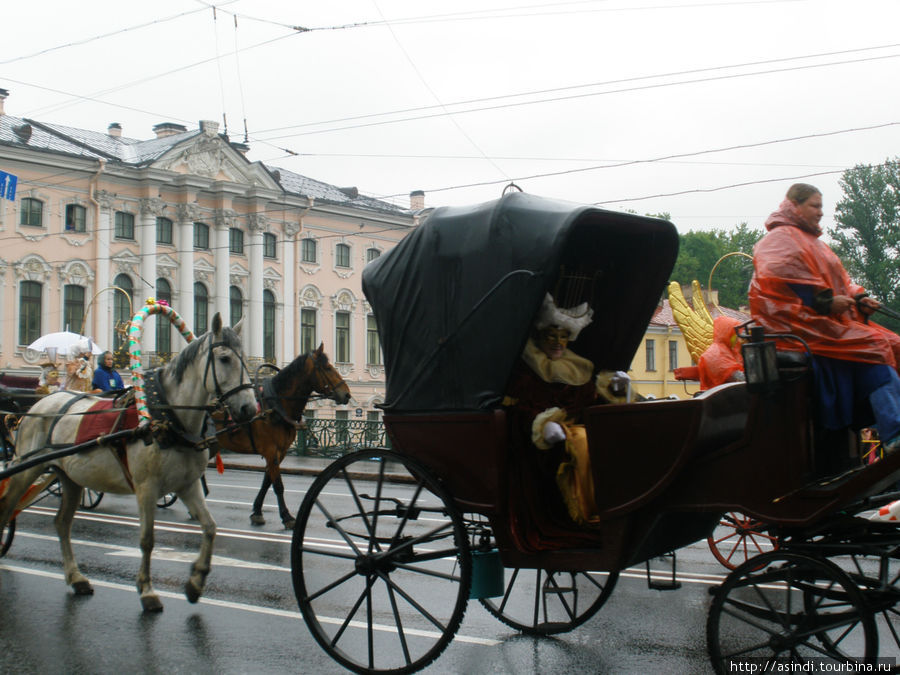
(661, 577)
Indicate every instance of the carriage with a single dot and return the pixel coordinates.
(391, 544)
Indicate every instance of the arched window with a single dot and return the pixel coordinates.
(235, 304)
(342, 255)
(29, 311)
(76, 218)
(201, 236)
(73, 307)
(308, 251)
(269, 326)
(122, 307)
(31, 212)
(201, 309)
(371, 254)
(163, 325)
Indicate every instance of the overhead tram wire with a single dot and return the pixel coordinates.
(552, 90)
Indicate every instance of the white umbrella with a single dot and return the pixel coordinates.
(61, 342)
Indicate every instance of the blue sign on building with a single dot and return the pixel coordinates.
(8, 186)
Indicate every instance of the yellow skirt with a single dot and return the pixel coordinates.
(574, 477)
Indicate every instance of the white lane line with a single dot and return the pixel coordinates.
(269, 611)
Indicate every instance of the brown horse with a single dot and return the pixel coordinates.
(282, 399)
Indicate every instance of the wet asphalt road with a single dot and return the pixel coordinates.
(248, 621)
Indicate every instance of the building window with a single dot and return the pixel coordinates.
(201, 309)
(122, 306)
(31, 212)
(163, 230)
(308, 251)
(308, 330)
(650, 346)
(673, 355)
(373, 344)
(76, 218)
(235, 241)
(163, 325)
(29, 312)
(124, 225)
(235, 305)
(201, 237)
(342, 337)
(342, 255)
(269, 326)
(73, 307)
(371, 254)
(269, 241)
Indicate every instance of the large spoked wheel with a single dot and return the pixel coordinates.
(738, 538)
(542, 602)
(90, 499)
(6, 536)
(878, 577)
(380, 563)
(788, 606)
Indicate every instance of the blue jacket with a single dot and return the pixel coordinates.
(106, 380)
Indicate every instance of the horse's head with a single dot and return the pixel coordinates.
(326, 381)
(225, 375)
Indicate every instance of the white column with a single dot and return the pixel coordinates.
(102, 308)
(184, 304)
(146, 286)
(224, 222)
(253, 344)
(289, 347)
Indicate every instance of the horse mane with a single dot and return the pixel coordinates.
(294, 369)
(179, 365)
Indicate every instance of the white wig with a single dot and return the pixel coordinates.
(573, 319)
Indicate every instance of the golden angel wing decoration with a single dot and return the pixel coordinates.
(695, 322)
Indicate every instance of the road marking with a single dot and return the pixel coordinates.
(255, 609)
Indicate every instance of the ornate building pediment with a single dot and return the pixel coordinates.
(203, 270)
(126, 262)
(166, 266)
(211, 157)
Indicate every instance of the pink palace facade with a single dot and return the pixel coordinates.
(100, 221)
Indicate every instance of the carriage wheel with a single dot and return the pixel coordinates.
(790, 606)
(878, 577)
(89, 498)
(740, 538)
(167, 500)
(6, 536)
(541, 602)
(380, 563)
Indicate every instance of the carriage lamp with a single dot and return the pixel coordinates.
(760, 362)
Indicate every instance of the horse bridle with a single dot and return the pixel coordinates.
(221, 396)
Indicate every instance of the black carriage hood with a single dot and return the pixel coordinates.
(454, 301)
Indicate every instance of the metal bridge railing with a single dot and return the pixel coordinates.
(334, 438)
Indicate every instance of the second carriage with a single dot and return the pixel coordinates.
(390, 545)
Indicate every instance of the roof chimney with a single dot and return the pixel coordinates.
(416, 200)
(164, 129)
(115, 130)
(209, 127)
(3, 94)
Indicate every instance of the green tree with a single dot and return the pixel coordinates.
(867, 231)
(700, 251)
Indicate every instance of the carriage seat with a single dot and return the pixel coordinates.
(724, 416)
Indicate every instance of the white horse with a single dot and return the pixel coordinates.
(210, 370)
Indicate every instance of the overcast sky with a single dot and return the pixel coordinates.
(650, 105)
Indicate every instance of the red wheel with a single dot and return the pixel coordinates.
(738, 538)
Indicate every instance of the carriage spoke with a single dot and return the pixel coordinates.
(370, 526)
(398, 621)
(403, 594)
(330, 587)
(334, 524)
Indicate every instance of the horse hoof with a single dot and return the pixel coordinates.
(191, 592)
(289, 523)
(257, 519)
(151, 603)
(83, 588)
